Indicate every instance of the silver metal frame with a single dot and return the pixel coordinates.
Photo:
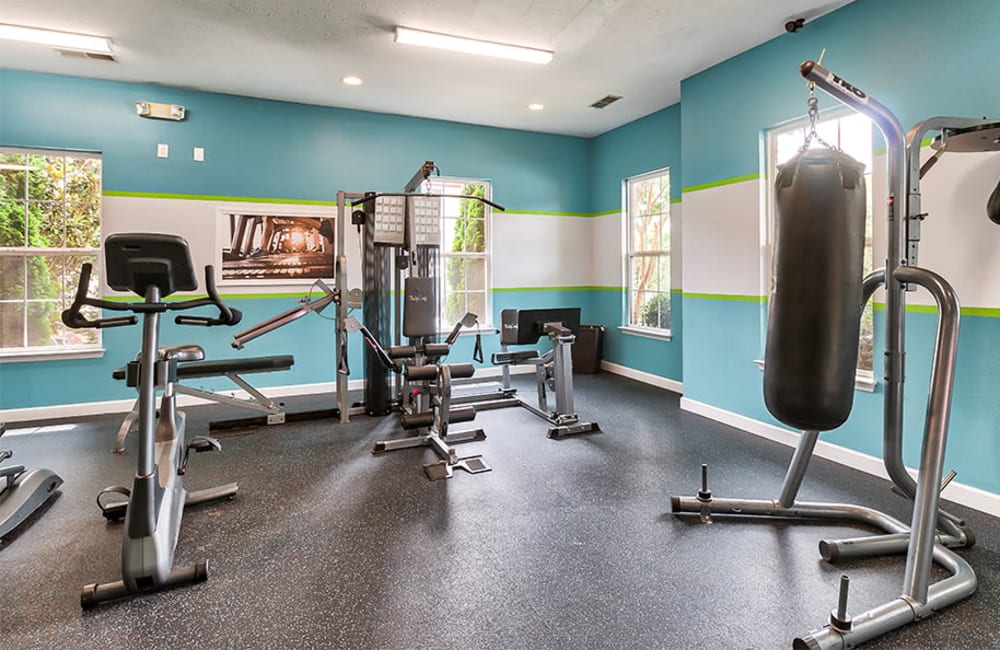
(435, 397)
(931, 531)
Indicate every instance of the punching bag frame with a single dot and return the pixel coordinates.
(932, 532)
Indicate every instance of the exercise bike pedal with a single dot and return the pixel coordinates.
(114, 511)
(204, 443)
(200, 444)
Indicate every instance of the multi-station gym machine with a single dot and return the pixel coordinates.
(399, 262)
(814, 308)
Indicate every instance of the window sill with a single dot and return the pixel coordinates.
(863, 380)
(21, 356)
(649, 333)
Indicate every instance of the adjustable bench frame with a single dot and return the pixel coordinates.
(274, 412)
(552, 369)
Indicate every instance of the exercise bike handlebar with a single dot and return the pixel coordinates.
(73, 317)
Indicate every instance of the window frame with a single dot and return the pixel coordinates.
(453, 185)
(865, 377)
(628, 254)
(54, 351)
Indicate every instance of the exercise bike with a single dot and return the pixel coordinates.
(153, 266)
(22, 491)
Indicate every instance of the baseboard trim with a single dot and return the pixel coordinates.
(645, 377)
(965, 495)
(61, 411)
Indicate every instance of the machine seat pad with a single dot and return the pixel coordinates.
(501, 358)
(181, 352)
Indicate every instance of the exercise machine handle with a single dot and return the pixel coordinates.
(73, 317)
(227, 315)
(352, 324)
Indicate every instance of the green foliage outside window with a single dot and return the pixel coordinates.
(656, 311)
(49, 225)
(469, 236)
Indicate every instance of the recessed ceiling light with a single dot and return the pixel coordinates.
(535, 107)
(352, 81)
(409, 36)
(65, 40)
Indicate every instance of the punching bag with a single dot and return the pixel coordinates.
(814, 310)
(993, 205)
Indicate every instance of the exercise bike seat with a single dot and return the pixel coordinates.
(181, 352)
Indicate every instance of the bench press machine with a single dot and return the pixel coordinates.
(233, 369)
(553, 369)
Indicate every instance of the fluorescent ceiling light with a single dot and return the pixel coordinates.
(409, 36)
(64, 40)
(535, 107)
(352, 81)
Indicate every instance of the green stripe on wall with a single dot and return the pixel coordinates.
(724, 181)
(205, 197)
(258, 199)
(979, 312)
(724, 296)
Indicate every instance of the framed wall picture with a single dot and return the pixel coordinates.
(275, 245)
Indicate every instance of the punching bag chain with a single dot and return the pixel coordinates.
(813, 104)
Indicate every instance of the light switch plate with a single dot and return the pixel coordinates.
(162, 151)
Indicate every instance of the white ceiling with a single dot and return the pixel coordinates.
(298, 50)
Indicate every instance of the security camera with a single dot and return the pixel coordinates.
(793, 26)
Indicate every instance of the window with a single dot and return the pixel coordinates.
(647, 234)
(851, 133)
(465, 257)
(50, 224)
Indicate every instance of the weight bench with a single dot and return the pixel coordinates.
(553, 369)
(274, 412)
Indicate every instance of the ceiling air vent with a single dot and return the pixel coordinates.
(77, 54)
(604, 101)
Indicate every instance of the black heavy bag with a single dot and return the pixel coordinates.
(993, 205)
(814, 311)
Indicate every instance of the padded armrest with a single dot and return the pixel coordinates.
(515, 357)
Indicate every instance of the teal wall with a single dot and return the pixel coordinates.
(912, 55)
(650, 143)
(272, 150)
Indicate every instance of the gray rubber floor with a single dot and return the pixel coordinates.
(565, 544)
